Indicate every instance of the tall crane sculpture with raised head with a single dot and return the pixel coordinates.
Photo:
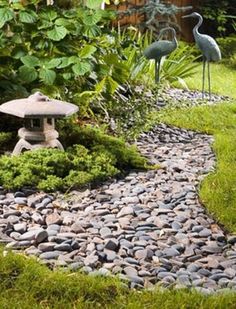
(209, 48)
(161, 48)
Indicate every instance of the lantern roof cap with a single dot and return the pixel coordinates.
(38, 105)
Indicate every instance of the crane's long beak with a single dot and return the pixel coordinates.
(186, 16)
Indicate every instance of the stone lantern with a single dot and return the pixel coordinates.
(39, 113)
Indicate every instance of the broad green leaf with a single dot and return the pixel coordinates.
(48, 15)
(93, 4)
(67, 76)
(52, 63)
(63, 22)
(47, 76)
(101, 85)
(81, 68)
(112, 85)
(64, 63)
(6, 15)
(18, 52)
(26, 17)
(87, 51)
(92, 31)
(30, 61)
(92, 19)
(73, 59)
(57, 34)
(45, 24)
(27, 74)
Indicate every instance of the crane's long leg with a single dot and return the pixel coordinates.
(157, 70)
(203, 78)
(209, 79)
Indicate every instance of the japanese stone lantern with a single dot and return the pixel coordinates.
(39, 112)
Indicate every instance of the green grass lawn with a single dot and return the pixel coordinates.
(223, 79)
(25, 284)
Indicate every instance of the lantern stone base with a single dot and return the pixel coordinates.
(30, 140)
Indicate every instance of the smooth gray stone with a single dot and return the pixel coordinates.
(163, 274)
(63, 247)
(51, 232)
(112, 244)
(75, 245)
(193, 267)
(218, 276)
(51, 255)
(176, 226)
(46, 246)
(144, 273)
(205, 233)
(15, 213)
(105, 231)
(19, 244)
(136, 279)
(55, 227)
(232, 239)
(184, 280)
(223, 282)
(20, 227)
(91, 260)
(19, 194)
(197, 228)
(110, 255)
(130, 271)
(125, 211)
(21, 200)
(204, 272)
(75, 266)
(104, 272)
(40, 236)
(86, 269)
(30, 235)
(37, 218)
(170, 252)
(46, 201)
(15, 235)
(131, 261)
(33, 251)
(211, 249)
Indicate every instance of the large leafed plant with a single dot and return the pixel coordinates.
(58, 49)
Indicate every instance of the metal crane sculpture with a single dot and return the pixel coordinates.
(209, 48)
(159, 49)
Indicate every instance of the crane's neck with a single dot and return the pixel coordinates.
(195, 29)
(174, 40)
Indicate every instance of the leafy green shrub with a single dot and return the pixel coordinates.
(99, 158)
(5, 137)
(60, 51)
(218, 15)
(228, 49)
(227, 46)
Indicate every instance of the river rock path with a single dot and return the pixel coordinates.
(149, 228)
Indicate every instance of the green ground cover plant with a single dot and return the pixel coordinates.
(91, 156)
(27, 284)
(217, 191)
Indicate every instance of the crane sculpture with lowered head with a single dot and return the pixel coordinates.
(161, 48)
(209, 48)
